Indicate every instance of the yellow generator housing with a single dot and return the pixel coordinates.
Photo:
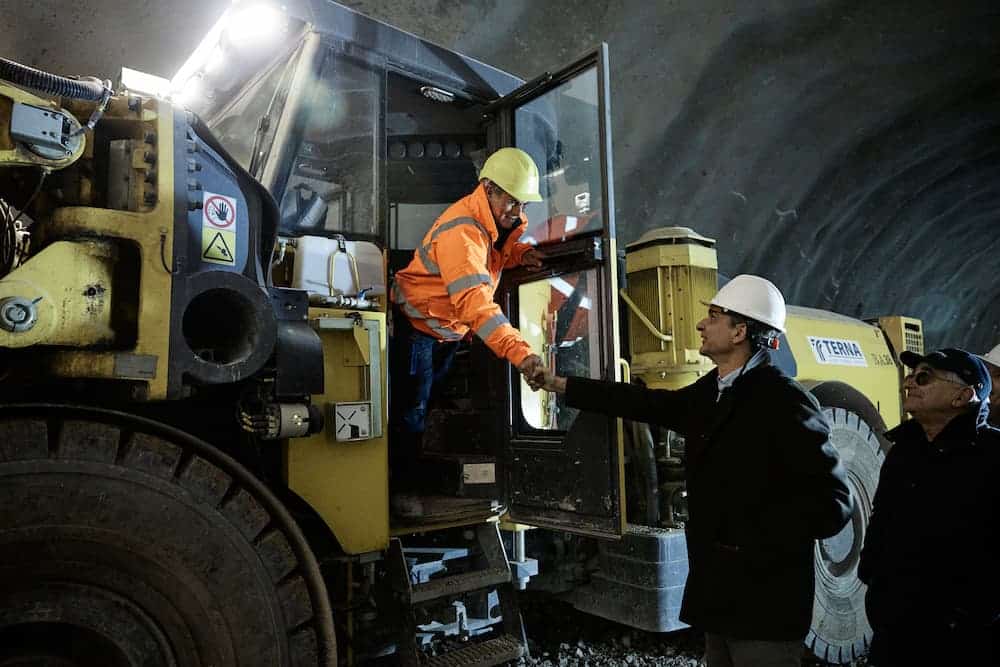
(671, 272)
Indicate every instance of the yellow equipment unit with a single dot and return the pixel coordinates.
(671, 272)
(197, 465)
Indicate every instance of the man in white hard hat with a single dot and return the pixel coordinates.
(992, 361)
(763, 479)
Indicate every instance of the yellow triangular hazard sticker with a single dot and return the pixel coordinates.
(217, 246)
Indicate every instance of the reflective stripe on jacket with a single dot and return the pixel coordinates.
(448, 288)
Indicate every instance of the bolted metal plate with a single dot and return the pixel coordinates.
(46, 132)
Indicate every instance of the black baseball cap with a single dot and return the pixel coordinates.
(965, 365)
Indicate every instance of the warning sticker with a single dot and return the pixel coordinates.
(218, 229)
(218, 246)
(219, 211)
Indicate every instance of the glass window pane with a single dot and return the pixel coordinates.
(333, 185)
(236, 128)
(408, 223)
(558, 317)
(561, 131)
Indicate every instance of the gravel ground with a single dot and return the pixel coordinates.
(561, 636)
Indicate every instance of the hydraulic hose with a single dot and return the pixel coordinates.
(29, 77)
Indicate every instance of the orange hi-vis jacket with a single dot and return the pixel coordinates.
(448, 287)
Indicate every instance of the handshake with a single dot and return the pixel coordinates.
(539, 377)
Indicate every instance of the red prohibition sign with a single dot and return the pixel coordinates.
(219, 211)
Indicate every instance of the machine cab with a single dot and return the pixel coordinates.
(364, 135)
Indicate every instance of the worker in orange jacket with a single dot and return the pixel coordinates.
(447, 290)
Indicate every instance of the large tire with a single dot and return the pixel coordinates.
(840, 630)
(125, 542)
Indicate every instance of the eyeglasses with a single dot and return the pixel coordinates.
(510, 202)
(924, 377)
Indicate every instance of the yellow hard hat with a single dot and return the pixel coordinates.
(514, 171)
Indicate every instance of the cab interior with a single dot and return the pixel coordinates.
(435, 146)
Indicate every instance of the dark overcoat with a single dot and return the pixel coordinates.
(932, 552)
(764, 482)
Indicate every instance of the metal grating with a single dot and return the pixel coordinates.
(491, 652)
(644, 290)
(914, 342)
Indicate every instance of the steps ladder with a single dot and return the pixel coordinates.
(414, 587)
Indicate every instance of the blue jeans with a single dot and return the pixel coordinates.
(421, 361)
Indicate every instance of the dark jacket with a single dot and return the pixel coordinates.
(931, 557)
(763, 483)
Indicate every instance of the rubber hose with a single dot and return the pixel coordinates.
(36, 79)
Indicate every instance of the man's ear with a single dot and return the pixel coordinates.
(740, 334)
(965, 398)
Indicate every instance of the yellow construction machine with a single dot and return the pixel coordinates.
(194, 444)
(195, 449)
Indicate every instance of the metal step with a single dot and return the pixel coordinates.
(484, 654)
(456, 584)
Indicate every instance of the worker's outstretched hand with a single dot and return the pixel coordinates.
(533, 371)
(549, 381)
(539, 377)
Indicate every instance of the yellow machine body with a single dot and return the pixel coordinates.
(80, 281)
(69, 285)
(831, 347)
(346, 481)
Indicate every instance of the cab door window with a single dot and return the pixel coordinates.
(562, 324)
(561, 131)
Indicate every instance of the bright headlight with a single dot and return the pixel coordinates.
(248, 26)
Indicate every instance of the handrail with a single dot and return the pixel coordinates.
(626, 370)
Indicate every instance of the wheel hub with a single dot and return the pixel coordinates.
(63, 623)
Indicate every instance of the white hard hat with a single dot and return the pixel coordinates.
(992, 357)
(753, 297)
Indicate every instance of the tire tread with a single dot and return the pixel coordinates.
(206, 483)
(24, 440)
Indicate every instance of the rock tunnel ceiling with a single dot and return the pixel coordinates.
(856, 168)
(847, 150)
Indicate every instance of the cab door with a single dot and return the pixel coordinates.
(564, 468)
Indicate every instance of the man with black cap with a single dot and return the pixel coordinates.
(930, 555)
(992, 360)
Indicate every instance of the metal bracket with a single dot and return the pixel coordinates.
(372, 354)
(46, 132)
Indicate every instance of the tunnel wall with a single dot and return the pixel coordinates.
(847, 150)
